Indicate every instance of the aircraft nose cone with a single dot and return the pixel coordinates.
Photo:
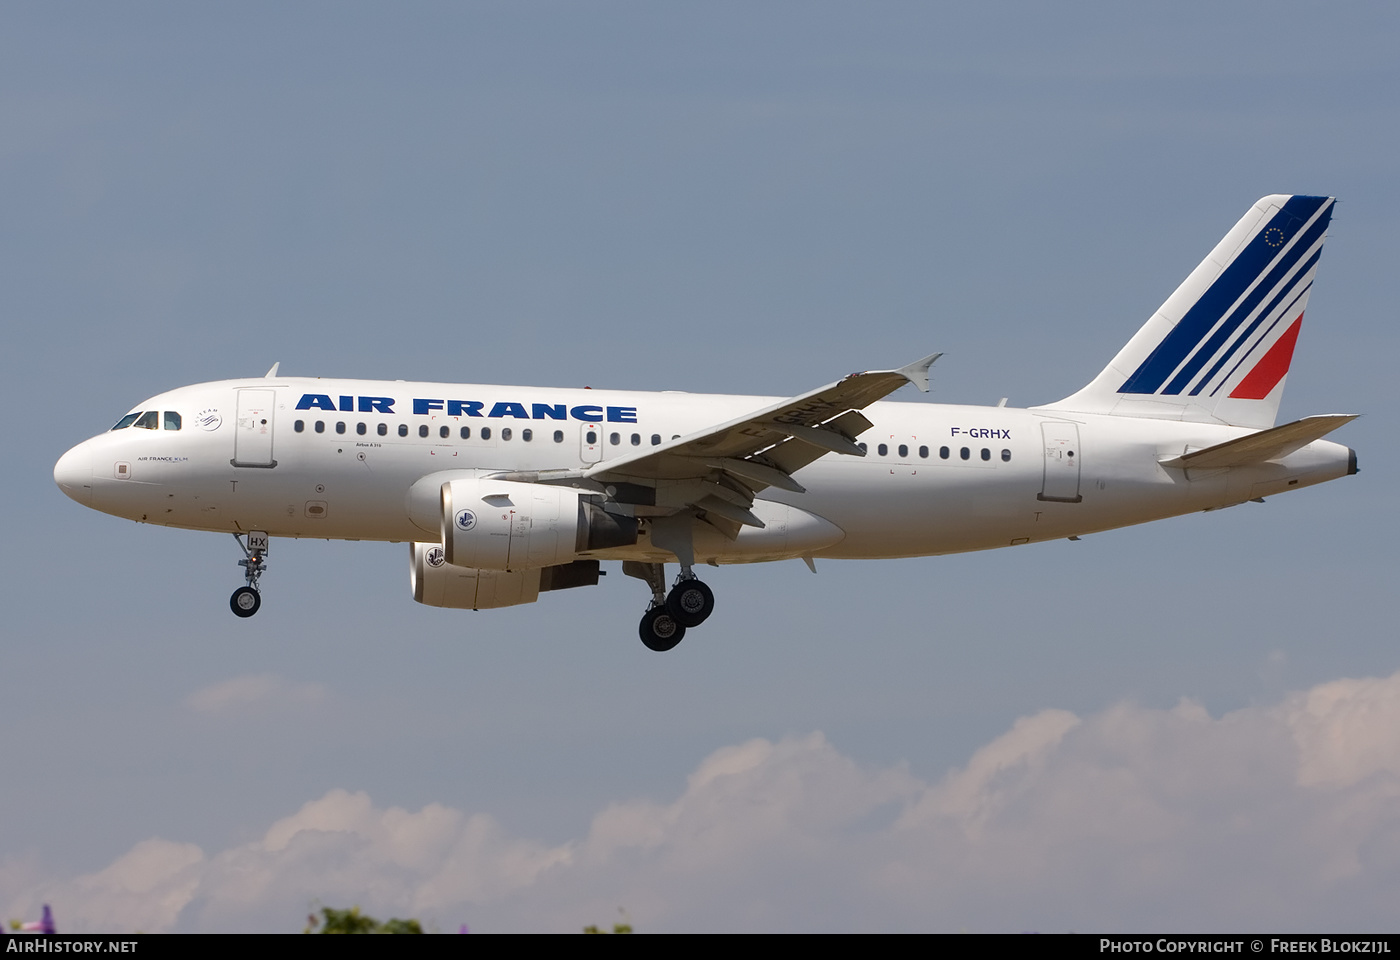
(73, 474)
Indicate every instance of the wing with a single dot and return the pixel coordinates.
(718, 471)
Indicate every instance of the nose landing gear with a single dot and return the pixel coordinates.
(246, 600)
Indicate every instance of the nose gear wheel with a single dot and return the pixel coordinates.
(247, 600)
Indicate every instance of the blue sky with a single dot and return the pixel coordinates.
(749, 198)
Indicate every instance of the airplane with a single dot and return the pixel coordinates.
(504, 492)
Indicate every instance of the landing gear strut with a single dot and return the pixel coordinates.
(659, 630)
(668, 616)
(246, 600)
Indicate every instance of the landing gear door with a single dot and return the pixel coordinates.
(252, 436)
(1062, 456)
(591, 443)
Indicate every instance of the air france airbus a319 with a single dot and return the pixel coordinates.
(506, 492)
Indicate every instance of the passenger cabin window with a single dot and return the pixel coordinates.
(340, 427)
(1006, 456)
(466, 433)
(403, 429)
(360, 428)
(383, 429)
(299, 426)
(423, 430)
(127, 420)
(655, 439)
(150, 420)
(615, 439)
(904, 450)
(986, 454)
(923, 452)
(964, 453)
(882, 449)
(486, 433)
(527, 434)
(172, 420)
(506, 433)
(443, 432)
(636, 439)
(943, 453)
(320, 426)
(558, 436)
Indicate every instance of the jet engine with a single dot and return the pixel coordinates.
(438, 583)
(510, 526)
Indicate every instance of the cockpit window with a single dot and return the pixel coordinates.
(127, 420)
(150, 420)
(172, 420)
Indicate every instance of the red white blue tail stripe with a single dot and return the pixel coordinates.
(1225, 338)
(1226, 326)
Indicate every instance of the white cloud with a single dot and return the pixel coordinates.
(1279, 818)
(261, 690)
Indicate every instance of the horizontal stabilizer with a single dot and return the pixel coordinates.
(1271, 444)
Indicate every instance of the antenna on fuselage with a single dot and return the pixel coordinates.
(273, 372)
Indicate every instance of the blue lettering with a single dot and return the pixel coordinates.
(983, 433)
(464, 408)
(504, 409)
(423, 406)
(315, 401)
(622, 414)
(347, 403)
(587, 413)
(554, 411)
(376, 404)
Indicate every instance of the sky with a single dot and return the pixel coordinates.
(1191, 726)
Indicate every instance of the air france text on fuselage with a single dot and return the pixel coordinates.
(426, 406)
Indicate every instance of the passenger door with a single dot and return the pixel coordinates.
(252, 435)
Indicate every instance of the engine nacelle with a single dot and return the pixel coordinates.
(511, 526)
(438, 583)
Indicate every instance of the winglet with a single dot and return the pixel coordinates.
(273, 372)
(917, 372)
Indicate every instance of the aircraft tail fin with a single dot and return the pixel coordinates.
(1219, 349)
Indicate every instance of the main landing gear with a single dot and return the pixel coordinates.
(688, 604)
(246, 600)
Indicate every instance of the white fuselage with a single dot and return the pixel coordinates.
(936, 478)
